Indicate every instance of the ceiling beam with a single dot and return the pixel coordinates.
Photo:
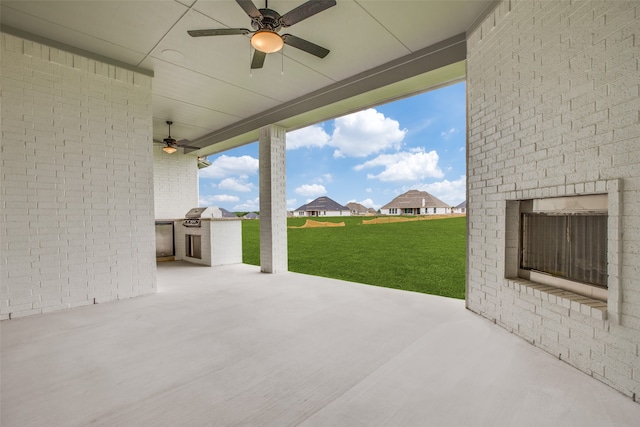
(74, 50)
(439, 55)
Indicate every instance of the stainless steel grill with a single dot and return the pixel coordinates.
(192, 218)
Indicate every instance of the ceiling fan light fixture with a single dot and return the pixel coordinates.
(169, 150)
(267, 41)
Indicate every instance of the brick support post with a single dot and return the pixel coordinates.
(273, 200)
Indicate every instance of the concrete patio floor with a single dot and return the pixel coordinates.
(229, 346)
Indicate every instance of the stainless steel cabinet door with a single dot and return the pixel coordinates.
(164, 239)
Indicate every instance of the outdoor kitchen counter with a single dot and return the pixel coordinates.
(217, 241)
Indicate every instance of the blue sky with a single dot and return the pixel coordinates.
(368, 157)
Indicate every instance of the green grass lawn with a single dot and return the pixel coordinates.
(421, 256)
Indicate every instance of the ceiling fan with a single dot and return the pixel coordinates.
(267, 23)
(171, 145)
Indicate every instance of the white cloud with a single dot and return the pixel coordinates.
(311, 190)
(211, 200)
(327, 177)
(404, 166)
(226, 166)
(448, 133)
(292, 204)
(419, 127)
(250, 205)
(312, 136)
(369, 190)
(453, 192)
(354, 135)
(366, 203)
(233, 184)
(365, 132)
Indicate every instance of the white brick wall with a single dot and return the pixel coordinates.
(175, 183)
(76, 181)
(553, 109)
(273, 200)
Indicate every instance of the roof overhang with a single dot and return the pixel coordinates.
(432, 67)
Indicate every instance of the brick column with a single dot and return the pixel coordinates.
(273, 200)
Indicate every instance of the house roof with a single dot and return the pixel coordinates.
(414, 199)
(357, 207)
(462, 205)
(251, 215)
(227, 214)
(322, 203)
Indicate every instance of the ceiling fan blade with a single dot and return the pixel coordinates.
(305, 11)
(250, 9)
(305, 45)
(218, 32)
(258, 59)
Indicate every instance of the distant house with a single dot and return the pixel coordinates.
(251, 215)
(216, 212)
(415, 202)
(461, 208)
(322, 206)
(358, 209)
(227, 214)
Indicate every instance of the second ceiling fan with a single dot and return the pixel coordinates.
(267, 23)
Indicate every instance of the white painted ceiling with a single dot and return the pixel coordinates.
(205, 84)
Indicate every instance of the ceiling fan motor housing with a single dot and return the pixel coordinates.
(270, 20)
